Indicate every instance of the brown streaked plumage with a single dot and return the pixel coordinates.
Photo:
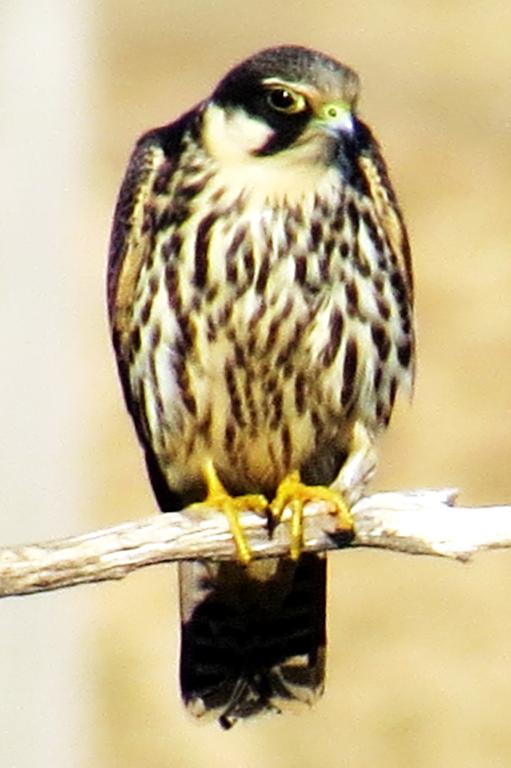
(261, 306)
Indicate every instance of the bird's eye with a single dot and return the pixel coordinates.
(284, 100)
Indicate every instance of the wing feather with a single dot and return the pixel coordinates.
(131, 243)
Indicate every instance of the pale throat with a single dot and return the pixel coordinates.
(232, 138)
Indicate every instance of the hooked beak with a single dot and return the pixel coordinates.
(335, 117)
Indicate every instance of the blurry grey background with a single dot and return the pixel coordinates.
(419, 669)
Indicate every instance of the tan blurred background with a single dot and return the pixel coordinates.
(420, 650)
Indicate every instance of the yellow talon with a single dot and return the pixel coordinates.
(218, 498)
(295, 494)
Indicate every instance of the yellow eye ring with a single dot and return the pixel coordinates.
(284, 100)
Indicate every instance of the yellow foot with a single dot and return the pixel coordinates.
(218, 498)
(294, 494)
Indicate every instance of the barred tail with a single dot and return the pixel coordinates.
(253, 638)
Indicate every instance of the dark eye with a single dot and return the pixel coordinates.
(284, 100)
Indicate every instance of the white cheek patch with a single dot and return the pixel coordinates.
(233, 139)
(233, 135)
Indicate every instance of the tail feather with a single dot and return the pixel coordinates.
(253, 638)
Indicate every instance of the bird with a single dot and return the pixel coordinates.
(260, 298)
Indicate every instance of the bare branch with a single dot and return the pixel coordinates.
(419, 522)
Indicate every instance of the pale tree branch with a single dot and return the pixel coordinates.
(417, 522)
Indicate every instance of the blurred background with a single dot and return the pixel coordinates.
(419, 669)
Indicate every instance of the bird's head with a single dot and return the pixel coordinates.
(286, 107)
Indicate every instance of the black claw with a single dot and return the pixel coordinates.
(271, 523)
(342, 538)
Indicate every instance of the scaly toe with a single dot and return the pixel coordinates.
(343, 512)
(218, 498)
(232, 507)
(295, 494)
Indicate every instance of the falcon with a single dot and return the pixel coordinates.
(261, 308)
